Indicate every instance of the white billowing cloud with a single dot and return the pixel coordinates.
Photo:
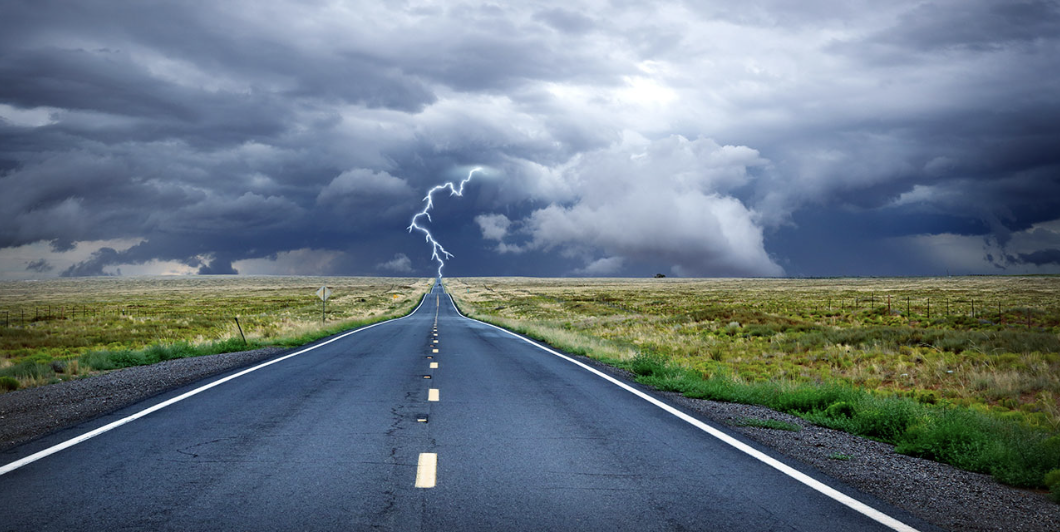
(494, 226)
(663, 200)
(919, 194)
(363, 184)
(400, 264)
(601, 267)
(304, 261)
(36, 117)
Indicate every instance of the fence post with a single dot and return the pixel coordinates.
(241, 331)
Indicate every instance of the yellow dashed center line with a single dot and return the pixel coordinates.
(432, 394)
(427, 470)
(435, 351)
(434, 365)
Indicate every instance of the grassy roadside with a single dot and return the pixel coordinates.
(972, 436)
(280, 328)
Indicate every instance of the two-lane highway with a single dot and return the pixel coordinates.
(430, 422)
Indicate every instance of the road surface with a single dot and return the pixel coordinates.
(430, 422)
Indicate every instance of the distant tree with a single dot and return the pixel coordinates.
(659, 276)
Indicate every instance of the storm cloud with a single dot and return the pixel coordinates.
(618, 138)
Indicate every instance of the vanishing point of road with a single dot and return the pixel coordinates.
(429, 422)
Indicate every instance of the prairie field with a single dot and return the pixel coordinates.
(914, 337)
(961, 370)
(62, 328)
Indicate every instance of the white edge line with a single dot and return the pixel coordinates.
(836, 495)
(113, 425)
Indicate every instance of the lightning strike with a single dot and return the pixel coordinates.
(437, 251)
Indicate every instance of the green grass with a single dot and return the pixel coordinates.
(981, 394)
(108, 360)
(119, 323)
(766, 424)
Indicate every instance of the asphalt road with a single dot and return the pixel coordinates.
(343, 437)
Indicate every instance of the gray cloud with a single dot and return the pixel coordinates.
(39, 266)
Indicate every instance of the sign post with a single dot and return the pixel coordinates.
(324, 293)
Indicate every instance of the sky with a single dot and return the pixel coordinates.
(616, 138)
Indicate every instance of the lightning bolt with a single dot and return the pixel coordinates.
(437, 251)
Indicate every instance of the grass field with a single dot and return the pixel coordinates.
(931, 364)
(65, 328)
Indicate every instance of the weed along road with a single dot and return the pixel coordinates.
(430, 422)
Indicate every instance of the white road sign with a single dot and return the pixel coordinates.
(324, 293)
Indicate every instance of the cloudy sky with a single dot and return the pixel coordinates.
(622, 138)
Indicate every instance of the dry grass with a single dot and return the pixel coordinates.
(912, 337)
(56, 321)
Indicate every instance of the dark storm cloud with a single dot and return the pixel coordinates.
(974, 24)
(702, 138)
(39, 266)
(1041, 257)
(100, 259)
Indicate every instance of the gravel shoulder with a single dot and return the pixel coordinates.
(942, 495)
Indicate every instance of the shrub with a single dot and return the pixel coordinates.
(29, 370)
(8, 383)
(650, 365)
(97, 360)
(128, 359)
(1022, 456)
(957, 437)
(841, 409)
(806, 399)
(1052, 480)
(886, 418)
(760, 330)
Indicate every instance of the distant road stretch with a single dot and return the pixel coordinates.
(429, 422)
